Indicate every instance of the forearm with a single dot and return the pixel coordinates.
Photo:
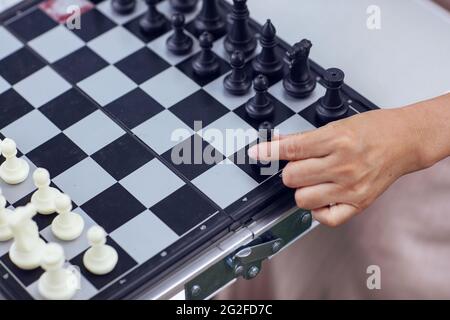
(428, 123)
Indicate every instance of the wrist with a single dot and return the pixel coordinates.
(427, 131)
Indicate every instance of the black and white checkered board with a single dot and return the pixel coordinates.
(97, 107)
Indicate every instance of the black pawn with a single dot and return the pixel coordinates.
(267, 62)
(185, 6)
(237, 82)
(260, 106)
(179, 42)
(206, 63)
(239, 36)
(210, 20)
(331, 106)
(153, 21)
(123, 6)
(265, 133)
(299, 83)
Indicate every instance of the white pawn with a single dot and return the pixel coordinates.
(57, 282)
(44, 197)
(27, 248)
(67, 225)
(13, 170)
(100, 258)
(5, 214)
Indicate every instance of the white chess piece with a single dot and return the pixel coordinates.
(5, 214)
(67, 225)
(26, 250)
(100, 258)
(13, 170)
(57, 282)
(44, 197)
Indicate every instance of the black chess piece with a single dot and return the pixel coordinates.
(179, 42)
(237, 82)
(260, 106)
(239, 36)
(265, 133)
(184, 6)
(123, 6)
(299, 83)
(206, 64)
(331, 106)
(153, 21)
(267, 62)
(209, 19)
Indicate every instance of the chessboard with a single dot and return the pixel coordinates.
(96, 107)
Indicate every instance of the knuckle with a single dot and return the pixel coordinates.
(291, 149)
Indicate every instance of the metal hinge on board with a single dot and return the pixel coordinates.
(247, 261)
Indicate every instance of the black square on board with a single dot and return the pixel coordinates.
(57, 154)
(187, 69)
(124, 263)
(32, 24)
(94, 23)
(281, 113)
(123, 156)
(183, 209)
(200, 106)
(68, 108)
(249, 166)
(80, 64)
(142, 65)
(12, 107)
(19, 65)
(310, 114)
(133, 27)
(191, 153)
(26, 277)
(113, 207)
(134, 108)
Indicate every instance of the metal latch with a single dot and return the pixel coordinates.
(246, 262)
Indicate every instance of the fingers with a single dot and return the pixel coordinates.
(335, 215)
(318, 196)
(311, 144)
(307, 172)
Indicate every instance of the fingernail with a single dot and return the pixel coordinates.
(253, 152)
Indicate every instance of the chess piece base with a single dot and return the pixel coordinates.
(18, 175)
(46, 206)
(67, 232)
(64, 291)
(27, 260)
(103, 266)
(299, 89)
(123, 9)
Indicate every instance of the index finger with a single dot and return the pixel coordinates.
(311, 144)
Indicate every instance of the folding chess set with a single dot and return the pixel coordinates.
(96, 106)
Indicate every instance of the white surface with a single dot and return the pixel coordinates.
(406, 61)
(5, 4)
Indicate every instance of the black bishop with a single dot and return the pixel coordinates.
(268, 62)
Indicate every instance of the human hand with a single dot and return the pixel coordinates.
(340, 169)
